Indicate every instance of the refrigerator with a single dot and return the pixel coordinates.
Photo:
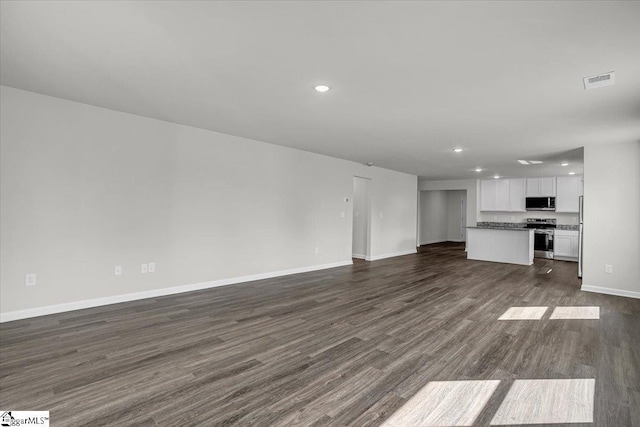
(580, 234)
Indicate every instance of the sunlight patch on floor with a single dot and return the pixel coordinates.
(547, 402)
(576, 313)
(444, 403)
(523, 313)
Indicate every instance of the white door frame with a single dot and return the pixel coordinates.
(367, 215)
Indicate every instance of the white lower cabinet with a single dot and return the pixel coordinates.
(566, 245)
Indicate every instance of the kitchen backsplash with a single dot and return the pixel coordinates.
(567, 227)
(521, 217)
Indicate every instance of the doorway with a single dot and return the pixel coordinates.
(361, 234)
(463, 217)
(443, 216)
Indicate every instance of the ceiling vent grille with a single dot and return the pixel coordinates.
(602, 80)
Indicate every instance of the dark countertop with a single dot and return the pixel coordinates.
(501, 228)
(567, 227)
(518, 226)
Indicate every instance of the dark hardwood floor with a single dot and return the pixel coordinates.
(346, 346)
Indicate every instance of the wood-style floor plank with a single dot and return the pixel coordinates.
(347, 346)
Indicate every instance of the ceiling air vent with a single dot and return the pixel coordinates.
(602, 80)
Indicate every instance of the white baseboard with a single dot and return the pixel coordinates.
(610, 291)
(79, 305)
(358, 256)
(428, 242)
(565, 258)
(377, 257)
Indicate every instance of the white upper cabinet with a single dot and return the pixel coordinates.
(502, 195)
(541, 187)
(548, 187)
(508, 195)
(488, 195)
(517, 195)
(568, 192)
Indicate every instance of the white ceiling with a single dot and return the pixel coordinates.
(409, 80)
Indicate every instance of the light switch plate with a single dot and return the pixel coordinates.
(152, 267)
(144, 268)
(30, 279)
(608, 268)
(118, 270)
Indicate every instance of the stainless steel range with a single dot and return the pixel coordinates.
(543, 232)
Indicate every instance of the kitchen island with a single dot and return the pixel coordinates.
(500, 244)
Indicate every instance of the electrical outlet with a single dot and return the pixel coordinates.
(144, 268)
(495, 217)
(317, 249)
(30, 279)
(342, 214)
(513, 218)
(152, 267)
(118, 270)
(608, 268)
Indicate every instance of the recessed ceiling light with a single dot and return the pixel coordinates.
(530, 162)
(572, 173)
(564, 164)
(322, 88)
(458, 150)
(496, 176)
(478, 169)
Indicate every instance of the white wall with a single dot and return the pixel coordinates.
(433, 217)
(85, 189)
(612, 218)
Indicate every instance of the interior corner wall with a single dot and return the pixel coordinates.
(433, 217)
(471, 186)
(612, 218)
(84, 189)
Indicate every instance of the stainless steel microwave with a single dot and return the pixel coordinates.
(540, 203)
